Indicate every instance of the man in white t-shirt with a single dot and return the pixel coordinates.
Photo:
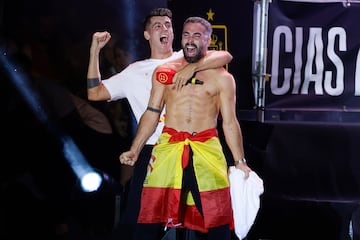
(134, 83)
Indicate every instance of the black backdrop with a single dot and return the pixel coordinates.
(310, 169)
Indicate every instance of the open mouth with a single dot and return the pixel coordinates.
(190, 49)
(164, 39)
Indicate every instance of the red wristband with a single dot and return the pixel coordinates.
(165, 75)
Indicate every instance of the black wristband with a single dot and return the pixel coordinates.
(153, 109)
(93, 82)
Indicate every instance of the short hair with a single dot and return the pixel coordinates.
(156, 12)
(202, 21)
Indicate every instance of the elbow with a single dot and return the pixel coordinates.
(91, 96)
(97, 94)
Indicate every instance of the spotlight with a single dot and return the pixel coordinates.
(89, 178)
(96, 202)
(91, 182)
(96, 183)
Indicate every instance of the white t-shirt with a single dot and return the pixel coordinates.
(134, 83)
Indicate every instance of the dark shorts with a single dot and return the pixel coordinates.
(133, 196)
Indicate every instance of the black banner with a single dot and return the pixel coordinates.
(313, 56)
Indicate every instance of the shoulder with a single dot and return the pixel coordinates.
(218, 76)
(223, 73)
(226, 81)
(226, 77)
(138, 63)
(221, 77)
(176, 64)
(220, 72)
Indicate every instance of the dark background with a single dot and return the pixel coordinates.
(310, 170)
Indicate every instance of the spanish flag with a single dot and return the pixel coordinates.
(160, 202)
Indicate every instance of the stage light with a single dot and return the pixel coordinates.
(91, 182)
(90, 179)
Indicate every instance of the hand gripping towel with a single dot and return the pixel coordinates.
(245, 199)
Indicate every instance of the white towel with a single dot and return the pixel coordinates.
(245, 199)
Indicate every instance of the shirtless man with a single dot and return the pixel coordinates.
(187, 184)
(134, 84)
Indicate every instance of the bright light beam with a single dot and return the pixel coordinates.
(89, 178)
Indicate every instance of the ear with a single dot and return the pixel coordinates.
(146, 35)
(209, 41)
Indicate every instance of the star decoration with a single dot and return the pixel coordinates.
(210, 15)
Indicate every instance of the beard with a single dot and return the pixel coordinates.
(196, 57)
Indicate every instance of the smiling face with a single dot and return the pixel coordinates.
(195, 41)
(160, 34)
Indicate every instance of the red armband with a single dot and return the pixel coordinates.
(165, 75)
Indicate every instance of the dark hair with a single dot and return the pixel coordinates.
(157, 12)
(202, 21)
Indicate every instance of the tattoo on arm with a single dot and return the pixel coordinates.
(153, 109)
(93, 82)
